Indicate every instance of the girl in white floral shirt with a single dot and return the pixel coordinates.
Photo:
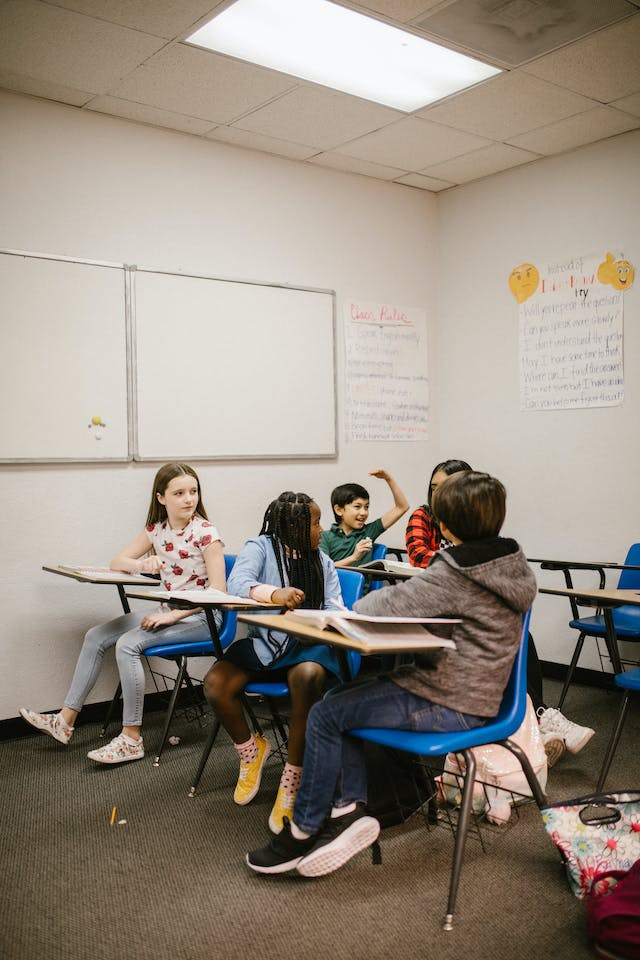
(181, 545)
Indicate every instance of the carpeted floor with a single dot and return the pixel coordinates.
(171, 883)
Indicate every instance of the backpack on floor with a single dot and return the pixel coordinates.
(396, 786)
(613, 919)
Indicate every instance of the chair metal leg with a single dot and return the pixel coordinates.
(208, 747)
(171, 708)
(255, 723)
(461, 834)
(534, 785)
(613, 742)
(110, 709)
(571, 669)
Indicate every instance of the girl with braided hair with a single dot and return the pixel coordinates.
(283, 565)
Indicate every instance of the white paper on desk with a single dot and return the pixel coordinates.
(105, 573)
(210, 595)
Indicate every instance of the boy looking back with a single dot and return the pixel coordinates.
(350, 539)
(486, 582)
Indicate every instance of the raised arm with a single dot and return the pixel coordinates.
(400, 502)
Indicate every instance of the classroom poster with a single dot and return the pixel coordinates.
(571, 331)
(386, 383)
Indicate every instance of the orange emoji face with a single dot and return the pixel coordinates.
(619, 273)
(523, 281)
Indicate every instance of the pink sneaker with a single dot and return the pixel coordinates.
(51, 723)
(121, 749)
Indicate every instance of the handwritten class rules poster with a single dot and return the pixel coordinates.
(386, 383)
(571, 331)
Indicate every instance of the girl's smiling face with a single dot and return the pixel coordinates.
(315, 531)
(180, 500)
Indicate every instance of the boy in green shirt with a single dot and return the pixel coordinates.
(349, 541)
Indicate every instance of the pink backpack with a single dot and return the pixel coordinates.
(613, 919)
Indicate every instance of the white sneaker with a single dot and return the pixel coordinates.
(554, 747)
(121, 749)
(51, 723)
(574, 736)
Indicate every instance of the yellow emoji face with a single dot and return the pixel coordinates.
(619, 273)
(523, 281)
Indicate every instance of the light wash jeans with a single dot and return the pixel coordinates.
(130, 641)
(334, 771)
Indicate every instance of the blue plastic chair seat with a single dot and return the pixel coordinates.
(630, 680)
(268, 689)
(626, 621)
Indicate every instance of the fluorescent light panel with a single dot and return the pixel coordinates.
(339, 48)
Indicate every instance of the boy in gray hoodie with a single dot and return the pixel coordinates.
(486, 582)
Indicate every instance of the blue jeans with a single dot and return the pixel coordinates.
(130, 641)
(334, 771)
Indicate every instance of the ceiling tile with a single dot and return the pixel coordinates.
(255, 141)
(145, 114)
(42, 88)
(605, 66)
(481, 163)
(161, 18)
(424, 183)
(412, 144)
(629, 104)
(507, 105)
(338, 161)
(584, 128)
(318, 116)
(401, 10)
(44, 42)
(515, 31)
(201, 84)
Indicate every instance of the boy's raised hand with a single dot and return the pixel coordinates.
(380, 474)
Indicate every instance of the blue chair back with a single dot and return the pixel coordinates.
(509, 717)
(379, 552)
(630, 579)
(351, 585)
(229, 622)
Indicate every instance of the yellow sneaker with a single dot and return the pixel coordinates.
(283, 807)
(250, 774)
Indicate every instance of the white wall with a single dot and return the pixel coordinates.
(90, 186)
(96, 187)
(572, 476)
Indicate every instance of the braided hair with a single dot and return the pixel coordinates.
(287, 523)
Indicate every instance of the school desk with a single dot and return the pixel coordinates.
(607, 600)
(306, 633)
(209, 604)
(111, 578)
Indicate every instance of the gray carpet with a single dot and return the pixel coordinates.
(171, 882)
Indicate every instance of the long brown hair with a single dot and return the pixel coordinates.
(157, 511)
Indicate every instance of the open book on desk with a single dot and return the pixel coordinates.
(109, 575)
(381, 634)
(389, 566)
(198, 597)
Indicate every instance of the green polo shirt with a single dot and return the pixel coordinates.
(339, 544)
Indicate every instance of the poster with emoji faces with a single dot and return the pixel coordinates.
(570, 314)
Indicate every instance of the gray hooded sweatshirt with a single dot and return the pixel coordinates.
(488, 584)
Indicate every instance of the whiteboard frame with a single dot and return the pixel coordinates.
(36, 255)
(129, 272)
(332, 455)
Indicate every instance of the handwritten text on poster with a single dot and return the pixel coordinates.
(385, 372)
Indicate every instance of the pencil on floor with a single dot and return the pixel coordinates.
(113, 816)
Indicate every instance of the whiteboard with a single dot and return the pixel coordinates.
(64, 345)
(232, 369)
